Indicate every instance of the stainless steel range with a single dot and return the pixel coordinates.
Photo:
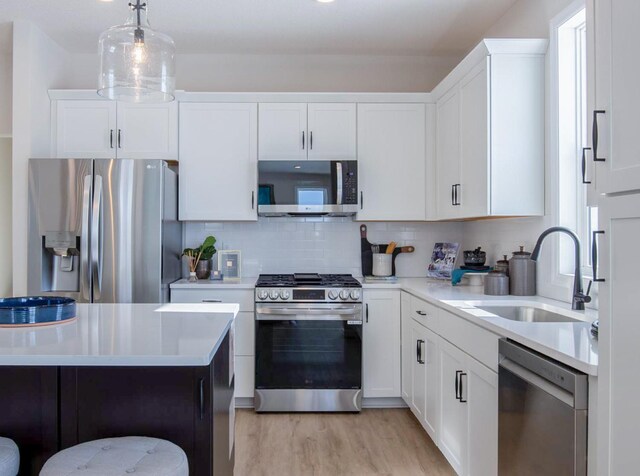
(308, 343)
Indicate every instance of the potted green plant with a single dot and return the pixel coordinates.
(199, 259)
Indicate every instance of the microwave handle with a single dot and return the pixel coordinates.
(339, 184)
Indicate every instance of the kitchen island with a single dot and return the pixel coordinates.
(163, 371)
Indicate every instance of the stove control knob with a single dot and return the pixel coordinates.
(333, 294)
(355, 294)
(344, 294)
(263, 294)
(274, 294)
(285, 294)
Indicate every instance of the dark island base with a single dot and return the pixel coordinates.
(46, 409)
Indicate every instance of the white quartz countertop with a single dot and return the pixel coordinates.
(568, 342)
(244, 283)
(123, 335)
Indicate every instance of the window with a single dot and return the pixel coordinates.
(311, 196)
(573, 211)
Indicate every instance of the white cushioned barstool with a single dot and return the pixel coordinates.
(119, 456)
(9, 457)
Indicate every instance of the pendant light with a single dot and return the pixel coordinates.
(137, 64)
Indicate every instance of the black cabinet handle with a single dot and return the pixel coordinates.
(456, 187)
(594, 136)
(111, 138)
(361, 200)
(119, 139)
(462, 400)
(253, 199)
(458, 372)
(453, 195)
(302, 140)
(421, 358)
(311, 140)
(584, 165)
(418, 350)
(366, 307)
(594, 256)
(201, 395)
(421, 313)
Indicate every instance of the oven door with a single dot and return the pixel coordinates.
(308, 346)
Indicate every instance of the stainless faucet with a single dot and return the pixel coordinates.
(579, 297)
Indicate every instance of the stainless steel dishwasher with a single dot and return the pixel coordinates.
(542, 426)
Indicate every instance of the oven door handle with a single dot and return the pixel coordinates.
(308, 314)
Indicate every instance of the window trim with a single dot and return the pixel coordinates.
(558, 285)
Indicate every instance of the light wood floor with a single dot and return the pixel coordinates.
(375, 442)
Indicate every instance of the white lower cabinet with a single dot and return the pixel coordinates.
(424, 376)
(452, 394)
(381, 344)
(244, 344)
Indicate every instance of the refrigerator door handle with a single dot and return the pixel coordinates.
(96, 238)
(85, 270)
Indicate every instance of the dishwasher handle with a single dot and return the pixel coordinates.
(560, 381)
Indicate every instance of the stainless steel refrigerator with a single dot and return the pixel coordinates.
(103, 230)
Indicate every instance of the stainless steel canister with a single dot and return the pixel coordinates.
(522, 274)
(496, 283)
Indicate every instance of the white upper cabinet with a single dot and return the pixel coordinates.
(614, 142)
(85, 129)
(392, 162)
(101, 129)
(332, 131)
(218, 161)
(283, 131)
(447, 154)
(381, 344)
(148, 131)
(300, 131)
(490, 132)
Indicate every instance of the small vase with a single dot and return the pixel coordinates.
(203, 270)
(192, 277)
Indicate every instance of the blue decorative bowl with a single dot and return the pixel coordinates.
(36, 310)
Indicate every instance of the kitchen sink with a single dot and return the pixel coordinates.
(528, 314)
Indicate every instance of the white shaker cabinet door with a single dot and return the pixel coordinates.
(453, 437)
(408, 349)
(85, 129)
(392, 162)
(381, 344)
(283, 131)
(473, 191)
(448, 155)
(332, 131)
(619, 359)
(615, 145)
(218, 161)
(147, 131)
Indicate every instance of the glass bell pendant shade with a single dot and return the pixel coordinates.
(137, 64)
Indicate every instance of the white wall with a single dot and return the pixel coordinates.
(39, 65)
(527, 18)
(288, 245)
(6, 71)
(5, 224)
(291, 73)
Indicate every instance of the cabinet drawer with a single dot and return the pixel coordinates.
(244, 297)
(245, 334)
(479, 343)
(245, 378)
(425, 313)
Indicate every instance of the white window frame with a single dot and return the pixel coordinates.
(560, 282)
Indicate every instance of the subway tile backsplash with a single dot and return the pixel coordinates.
(322, 245)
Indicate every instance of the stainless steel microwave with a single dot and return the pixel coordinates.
(307, 188)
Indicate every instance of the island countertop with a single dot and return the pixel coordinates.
(123, 335)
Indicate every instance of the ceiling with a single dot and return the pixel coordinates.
(384, 27)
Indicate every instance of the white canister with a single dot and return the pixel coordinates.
(382, 264)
